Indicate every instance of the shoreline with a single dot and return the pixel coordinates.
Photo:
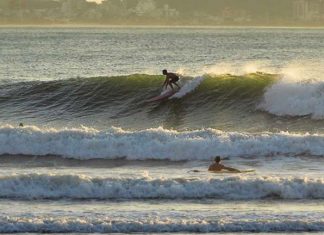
(113, 26)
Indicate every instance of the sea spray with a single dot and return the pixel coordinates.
(188, 87)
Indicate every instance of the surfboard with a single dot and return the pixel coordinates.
(164, 95)
(232, 172)
(222, 172)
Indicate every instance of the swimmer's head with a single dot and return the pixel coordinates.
(217, 159)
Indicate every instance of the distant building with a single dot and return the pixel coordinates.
(309, 10)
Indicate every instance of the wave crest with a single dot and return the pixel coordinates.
(157, 224)
(50, 186)
(88, 96)
(157, 143)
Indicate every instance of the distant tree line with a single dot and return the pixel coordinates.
(177, 12)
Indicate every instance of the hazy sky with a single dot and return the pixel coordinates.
(97, 1)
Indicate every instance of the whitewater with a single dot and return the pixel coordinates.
(50, 186)
(81, 151)
(158, 143)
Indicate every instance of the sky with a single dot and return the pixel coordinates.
(97, 1)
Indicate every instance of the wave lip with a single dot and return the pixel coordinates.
(158, 143)
(126, 95)
(277, 94)
(43, 186)
(299, 92)
(155, 225)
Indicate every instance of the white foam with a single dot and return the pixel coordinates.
(188, 87)
(157, 143)
(300, 92)
(53, 186)
(151, 223)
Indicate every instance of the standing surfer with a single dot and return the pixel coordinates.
(171, 78)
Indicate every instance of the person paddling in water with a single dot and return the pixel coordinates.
(171, 78)
(217, 167)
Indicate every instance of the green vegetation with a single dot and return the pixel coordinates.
(164, 12)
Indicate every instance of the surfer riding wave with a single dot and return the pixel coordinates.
(171, 78)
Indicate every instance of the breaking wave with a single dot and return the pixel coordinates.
(51, 186)
(236, 101)
(156, 224)
(161, 144)
(125, 95)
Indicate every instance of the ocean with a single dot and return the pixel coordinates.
(92, 156)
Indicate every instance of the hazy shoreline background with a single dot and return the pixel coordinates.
(163, 12)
